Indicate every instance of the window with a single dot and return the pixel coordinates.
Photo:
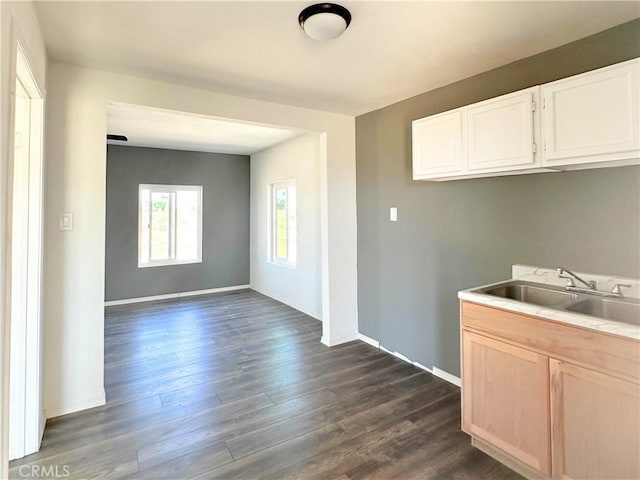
(169, 225)
(283, 245)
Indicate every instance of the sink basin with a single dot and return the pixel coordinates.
(626, 311)
(528, 293)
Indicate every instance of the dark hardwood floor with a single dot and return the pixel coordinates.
(238, 385)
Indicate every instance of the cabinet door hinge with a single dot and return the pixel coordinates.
(535, 148)
(533, 106)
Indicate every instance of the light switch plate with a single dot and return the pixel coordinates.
(65, 222)
(393, 214)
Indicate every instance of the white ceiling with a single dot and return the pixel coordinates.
(154, 127)
(391, 51)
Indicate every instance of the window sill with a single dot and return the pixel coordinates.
(289, 265)
(168, 264)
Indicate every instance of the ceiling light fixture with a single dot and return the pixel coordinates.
(324, 21)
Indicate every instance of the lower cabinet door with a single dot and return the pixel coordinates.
(505, 399)
(596, 424)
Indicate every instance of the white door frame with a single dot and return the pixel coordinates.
(23, 326)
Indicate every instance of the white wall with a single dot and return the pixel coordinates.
(76, 157)
(16, 19)
(299, 287)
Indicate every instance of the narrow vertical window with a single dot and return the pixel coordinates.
(283, 245)
(170, 225)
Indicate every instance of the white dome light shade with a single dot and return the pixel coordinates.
(325, 26)
(324, 21)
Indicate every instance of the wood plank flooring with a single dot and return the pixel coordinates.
(238, 385)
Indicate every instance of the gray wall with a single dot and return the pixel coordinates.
(225, 247)
(454, 235)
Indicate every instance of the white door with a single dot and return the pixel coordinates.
(437, 145)
(26, 419)
(592, 117)
(500, 132)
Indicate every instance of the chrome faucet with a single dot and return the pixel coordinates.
(591, 285)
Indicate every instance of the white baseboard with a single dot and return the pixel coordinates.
(419, 365)
(288, 302)
(370, 341)
(434, 371)
(396, 354)
(447, 376)
(339, 339)
(59, 410)
(166, 296)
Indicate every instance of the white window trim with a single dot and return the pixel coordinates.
(170, 189)
(271, 255)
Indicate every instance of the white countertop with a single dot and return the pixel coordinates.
(571, 318)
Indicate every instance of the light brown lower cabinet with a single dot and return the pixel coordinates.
(505, 401)
(596, 424)
(550, 400)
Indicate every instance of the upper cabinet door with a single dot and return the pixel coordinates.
(500, 132)
(437, 145)
(592, 117)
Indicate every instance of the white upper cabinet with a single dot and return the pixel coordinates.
(484, 139)
(593, 117)
(437, 145)
(500, 132)
(589, 120)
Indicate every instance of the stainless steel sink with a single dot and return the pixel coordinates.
(526, 292)
(626, 310)
(623, 310)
